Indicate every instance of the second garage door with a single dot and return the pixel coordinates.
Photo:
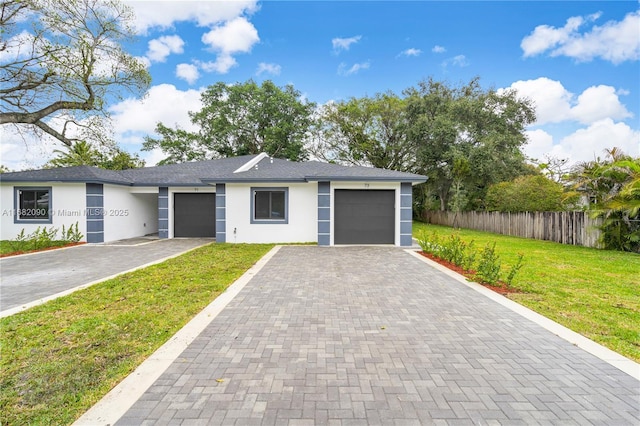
(364, 216)
(194, 215)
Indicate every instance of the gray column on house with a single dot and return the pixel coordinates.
(324, 213)
(95, 212)
(221, 213)
(163, 212)
(406, 214)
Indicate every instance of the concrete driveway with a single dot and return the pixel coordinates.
(372, 335)
(30, 278)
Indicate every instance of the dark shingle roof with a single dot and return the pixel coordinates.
(215, 171)
(67, 174)
(188, 174)
(282, 170)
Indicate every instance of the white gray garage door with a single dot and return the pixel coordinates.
(364, 216)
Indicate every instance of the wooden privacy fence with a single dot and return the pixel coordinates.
(574, 228)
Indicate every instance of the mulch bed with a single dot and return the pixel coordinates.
(503, 289)
(15, 253)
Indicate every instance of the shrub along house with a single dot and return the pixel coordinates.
(248, 199)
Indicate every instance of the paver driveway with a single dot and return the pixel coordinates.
(25, 279)
(370, 335)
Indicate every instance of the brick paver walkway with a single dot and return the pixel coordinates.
(371, 335)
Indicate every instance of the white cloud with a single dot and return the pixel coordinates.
(153, 157)
(615, 41)
(164, 14)
(187, 72)
(545, 37)
(354, 69)
(340, 44)
(540, 143)
(458, 61)
(551, 100)
(17, 47)
(585, 144)
(162, 47)
(554, 103)
(133, 119)
(411, 52)
(438, 49)
(21, 149)
(273, 69)
(223, 63)
(237, 35)
(144, 61)
(598, 102)
(229, 30)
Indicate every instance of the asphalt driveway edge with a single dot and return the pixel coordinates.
(115, 404)
(25, 306)
(613, 358)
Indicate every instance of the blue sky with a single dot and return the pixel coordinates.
(578, 61)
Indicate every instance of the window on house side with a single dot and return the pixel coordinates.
(33, 204)
(270, 205)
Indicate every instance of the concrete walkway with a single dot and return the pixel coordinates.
(370, 335)
(32, 278)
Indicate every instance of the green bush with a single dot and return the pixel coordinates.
(484, 265)
(44, 237)
(514, 270)
(620, 231)
(72, 235)
(489, 265)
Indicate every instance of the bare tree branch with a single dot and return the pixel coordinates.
(67, 63)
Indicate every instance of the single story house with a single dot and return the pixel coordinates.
(247, 199)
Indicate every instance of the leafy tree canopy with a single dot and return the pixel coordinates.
(532, 193)
(83, 154)
(241, 119)
(63, 62)
(368, 131)
(483, 127)
(612, 187)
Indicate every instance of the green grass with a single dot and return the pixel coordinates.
(60, 358)
(593, 292)
(8, 247)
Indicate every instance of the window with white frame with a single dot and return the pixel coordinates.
(33, 204)
(269, 205)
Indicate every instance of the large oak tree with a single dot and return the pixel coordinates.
(370, 131)
(241, 119)
(466, 138)
(63, 62)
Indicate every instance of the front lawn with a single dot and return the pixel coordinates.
(593, 292)
(60, 358)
